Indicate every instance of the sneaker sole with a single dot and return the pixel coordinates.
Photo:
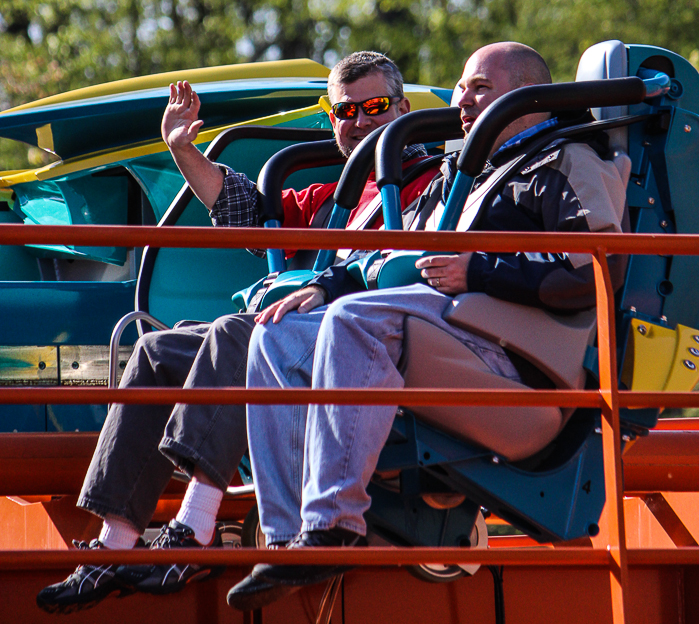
(162, 590)
(73, 607)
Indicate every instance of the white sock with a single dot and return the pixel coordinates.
(118, 533)
(199, 509)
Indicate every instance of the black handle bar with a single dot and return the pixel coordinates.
(541, 99)
(356, 172)
(432, 124)
(279, 167)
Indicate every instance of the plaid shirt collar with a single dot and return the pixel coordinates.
(417, 150)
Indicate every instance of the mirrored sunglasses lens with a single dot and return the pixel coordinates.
(376, 106)
(345, 110)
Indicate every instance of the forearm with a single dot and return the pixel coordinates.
(203, 176)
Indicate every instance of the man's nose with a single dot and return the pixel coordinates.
(466, 98)
(363, 120)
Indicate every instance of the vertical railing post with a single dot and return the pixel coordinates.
(611, 437)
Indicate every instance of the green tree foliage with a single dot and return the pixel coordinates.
(50, 46)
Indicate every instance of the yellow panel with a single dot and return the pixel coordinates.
(44, 138)
(419, 100)
(100, 159)
(684, 373)
(648, 344)
(425, 99)
(661, 359)
(269, 69)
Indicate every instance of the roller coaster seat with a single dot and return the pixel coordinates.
(558, 492)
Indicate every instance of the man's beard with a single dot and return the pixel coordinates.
(344, 150)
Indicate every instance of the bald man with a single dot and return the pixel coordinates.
(357, 341)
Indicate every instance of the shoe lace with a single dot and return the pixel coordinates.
(169, 537)
(83, 545)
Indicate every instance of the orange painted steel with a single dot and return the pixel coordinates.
(665, 461)
(611, 437)
(616, 558)
(293, 238)
(559, 557)
(298, 396)
(349, 396)
(677, 424)
(41, 464)
(41, 559)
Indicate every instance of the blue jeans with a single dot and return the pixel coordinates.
(355, 342)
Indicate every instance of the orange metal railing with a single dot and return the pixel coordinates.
(616, 558)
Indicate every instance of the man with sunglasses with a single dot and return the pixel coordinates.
(140, 446)
(357, 340)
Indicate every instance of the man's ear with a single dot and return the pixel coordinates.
(404, 106)
(333, 121)
(324, 103)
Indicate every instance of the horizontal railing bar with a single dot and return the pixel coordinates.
(537, 556)
(48, 559)
(344, 396)
(658, 399)
(677, 424)
(688, 555)
(208, 237)
(298, 396)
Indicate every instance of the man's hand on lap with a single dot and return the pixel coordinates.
(447, 274)
(303, 300)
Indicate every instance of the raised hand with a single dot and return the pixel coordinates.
(181, 122)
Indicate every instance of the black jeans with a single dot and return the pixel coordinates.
(140, 445)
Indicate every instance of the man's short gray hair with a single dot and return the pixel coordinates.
(360, 64)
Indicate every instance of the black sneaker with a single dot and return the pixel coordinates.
(269, 582)
(166, 578)
(83, 589)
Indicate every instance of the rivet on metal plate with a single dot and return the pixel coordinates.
(642, 329)
(693, 351)
(689, 364)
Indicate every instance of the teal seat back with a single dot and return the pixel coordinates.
(664, 182)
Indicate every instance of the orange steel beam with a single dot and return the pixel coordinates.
(208, 237)
(350, 396)
(664, 461)
(43, 559)
(611, 437)
(677, 424)
(298, 396)
(616, 558)
(55, 463)
(372, 556)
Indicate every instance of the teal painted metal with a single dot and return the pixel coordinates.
(75, 417)
(16, 263)
(29, 418)
(665, 188)
(108, 122)
(159, 179)
(70, 313)
(85, 199)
